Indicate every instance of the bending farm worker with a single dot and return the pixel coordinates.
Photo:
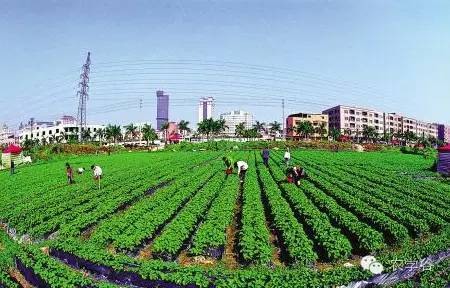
(69, 173)
(97, 173)
(80, 170)
(228, 162)
(266, 156)
(242, 169)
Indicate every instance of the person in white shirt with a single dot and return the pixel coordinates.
(242, 169)
(97, 173)
(287, 157)
(80, 170)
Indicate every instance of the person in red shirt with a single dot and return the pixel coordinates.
(69, 172)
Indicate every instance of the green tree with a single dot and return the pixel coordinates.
(149, 134)
(275, 127)
(335, 133)
(304, 129)
(113, 132)
(409, 136)
(259, 126)
(369, 133)
(321, 130)
(219, 127)
(183, 126)
(239, 130)
(131, 131)
(100, 135)
(206, 127)
(85, 135)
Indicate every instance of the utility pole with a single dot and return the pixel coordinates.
(282, 121)
(83, 90)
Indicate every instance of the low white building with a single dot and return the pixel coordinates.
(234, 118)
(60, 131)
(6, 136)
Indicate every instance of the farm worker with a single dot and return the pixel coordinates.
(80, 171)
(242, 169)
(69, 173)
(287, 157)
(266, 155)
(298, 173)
(97, 173)
(12, 166)
(228, 161)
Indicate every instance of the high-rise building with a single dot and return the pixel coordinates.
(205, 108)
(162, 109)
(234, 118)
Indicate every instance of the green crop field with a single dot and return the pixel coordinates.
(172, 219)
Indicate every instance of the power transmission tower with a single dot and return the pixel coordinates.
(83, 90)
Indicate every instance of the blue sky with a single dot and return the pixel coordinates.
(388, 55)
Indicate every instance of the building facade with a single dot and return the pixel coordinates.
(352, 120)
(162, 109)
(444, 133)
(234, 118)
(316, 120)
(6, 136)
(58, 131)
(205, 108)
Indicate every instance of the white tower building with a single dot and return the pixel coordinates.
(205, 108)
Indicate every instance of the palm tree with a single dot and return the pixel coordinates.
(369, 133)
(321, 130)
(131, 130)
(304, 129)
(165, 128)
(211, 127)
(183, 126)
(113, 132)
(275, 127)
(149, 134)
(219, 126)
(259, 126)
(100, 135)
(240, 130)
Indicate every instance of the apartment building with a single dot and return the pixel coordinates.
(316, 120)
(444, 133)
(354, 119)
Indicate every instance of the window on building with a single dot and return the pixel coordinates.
(352, 111)
(364, 113)
(352, 125)
(57, 130)
(346, 118)
(66, 129)
(50, 132)
(346, 111)
(43, 133)
(37, 134)
(346, 124)
(357, 119)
